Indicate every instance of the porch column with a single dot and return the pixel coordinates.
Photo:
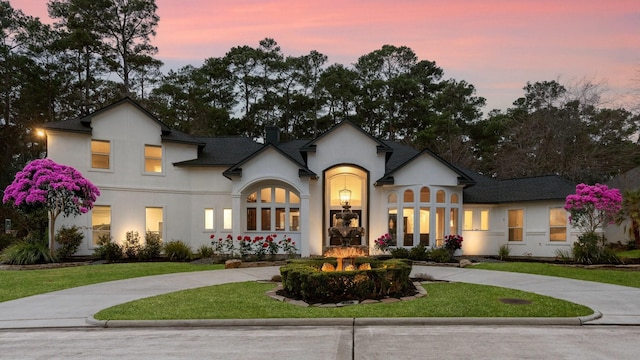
(236, 209)
(305, 236)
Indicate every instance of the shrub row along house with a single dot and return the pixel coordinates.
(154, 178)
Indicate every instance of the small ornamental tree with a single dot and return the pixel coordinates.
(60, 189)
(593, 206)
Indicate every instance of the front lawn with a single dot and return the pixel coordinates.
(632, 254)
(617, 277)
(21, 283)
(248, 301)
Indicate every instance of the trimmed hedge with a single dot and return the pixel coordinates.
(303, 279)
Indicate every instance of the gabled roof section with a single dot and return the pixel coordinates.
(222, 151)
(629, 180)
(311, 145)
(236, 170)
(536, 188)
(405, 156)
(83, 124)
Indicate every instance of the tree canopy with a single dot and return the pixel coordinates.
(96, 51)
(57, 188)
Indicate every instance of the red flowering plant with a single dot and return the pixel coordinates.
(288, 246)
(383, 242)
(259, 246)
(245, 245)
(217, 245)
(272, 245)
(60, 189)
(453, 242)
(223, 246)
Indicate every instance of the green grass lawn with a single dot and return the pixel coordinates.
(248, 301)
(21, 283)
(633, 254)
(617, 277)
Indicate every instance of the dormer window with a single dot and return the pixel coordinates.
(152, 159)
(100, 154)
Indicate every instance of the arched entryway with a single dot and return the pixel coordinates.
(355, 180)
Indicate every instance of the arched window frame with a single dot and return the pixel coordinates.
(268, 214)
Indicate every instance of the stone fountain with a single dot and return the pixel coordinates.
(346, 230)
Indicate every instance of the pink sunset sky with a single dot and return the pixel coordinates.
(496, 45)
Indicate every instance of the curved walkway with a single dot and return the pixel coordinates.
(619, 305)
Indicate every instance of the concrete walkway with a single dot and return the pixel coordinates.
(618, 305)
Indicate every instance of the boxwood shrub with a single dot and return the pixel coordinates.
(303, 279)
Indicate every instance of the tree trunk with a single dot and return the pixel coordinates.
(635, 227)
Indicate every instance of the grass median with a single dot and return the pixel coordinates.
(248, 301)
(22, 283)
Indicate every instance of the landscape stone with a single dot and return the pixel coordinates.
(465, 263)
(232, 263)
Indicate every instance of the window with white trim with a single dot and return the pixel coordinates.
(557, 224)
(209, 219)
(272, 208)
(100, 154)
(152, 159)
(516, 225)
(100, 223)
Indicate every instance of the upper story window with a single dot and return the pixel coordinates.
(152, 158)
(100, 154)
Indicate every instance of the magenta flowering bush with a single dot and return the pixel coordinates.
(383, 242)
(593, 206)
(45, 184)
(453, 242)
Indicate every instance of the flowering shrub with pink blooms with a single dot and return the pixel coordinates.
(593, 206)
(453, 242)
(58, 188)
(383, 242)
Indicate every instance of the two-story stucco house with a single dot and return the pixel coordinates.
(154, 178)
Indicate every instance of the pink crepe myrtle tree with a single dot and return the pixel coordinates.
(593, 206)
(60, 189)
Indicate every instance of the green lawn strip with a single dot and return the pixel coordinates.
(248, 301)
(617, 277)
(632, 254)
(21, 283)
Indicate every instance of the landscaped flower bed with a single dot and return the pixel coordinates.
(305, 280)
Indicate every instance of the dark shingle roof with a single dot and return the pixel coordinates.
(492, 191)
(629, 180)
(222, 151)
(83, 125)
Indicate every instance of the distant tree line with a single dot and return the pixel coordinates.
(97, 51)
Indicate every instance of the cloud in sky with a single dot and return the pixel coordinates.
(496, 45)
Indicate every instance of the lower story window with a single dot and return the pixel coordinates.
(100, 223)
(272, 208)
(557, 224)
(516, 224)
(227, 223)
(209, 219)
(154, 220)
